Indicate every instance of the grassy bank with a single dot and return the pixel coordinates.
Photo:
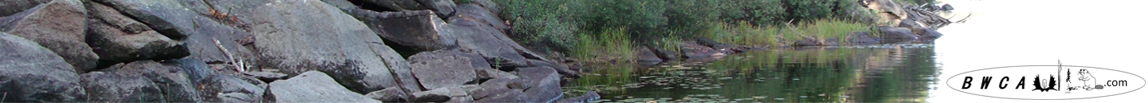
(611, 30)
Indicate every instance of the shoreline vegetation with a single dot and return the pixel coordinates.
(599, 31)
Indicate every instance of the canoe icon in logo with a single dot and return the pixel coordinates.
(1046, 82)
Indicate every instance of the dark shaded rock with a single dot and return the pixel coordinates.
(647, 55)
(197, 70)
(31, 73)
(862, 38)
(174, 81)
(927, 34)
(58, 25)
(314, 86)
(118, 38)
(9, 7)
(694, 51)
(396, 5)
(389, 95)
(111, 87)
(664, 53)
(421, 30)
(896, 34)
(159, 15)
(442, 8)
(442, 68)
(807, 42)
(453, 94)
(266, 76)
(331, 42)
(946, 7)
(587, 97)
(544, 82)
(233, 89)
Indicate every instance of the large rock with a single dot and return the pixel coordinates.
(927, 34)
(896, 34)
(198, 23)
(586, 97)
(31, 73)
(58, 25)
(390, 95)
(420, 30)
(314, 86)
(545, 84)
(476, 12)
(442, 8)
(112, 87)
(119, 38)
(453, 94)
(175, 81)
(443, 68)
(297, 36)
(233, 89)
(9, 7)
(694, 51)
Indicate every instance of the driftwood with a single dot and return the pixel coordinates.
(237, 63)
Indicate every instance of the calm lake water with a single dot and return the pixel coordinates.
(886, 73)
(1101, 33)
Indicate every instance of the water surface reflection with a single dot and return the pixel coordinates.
(890, 73)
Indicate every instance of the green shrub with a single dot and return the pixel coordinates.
(610, 44)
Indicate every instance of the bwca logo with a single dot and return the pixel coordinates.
(1046, 82)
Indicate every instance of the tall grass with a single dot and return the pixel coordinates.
(744, 33)
(611, 44)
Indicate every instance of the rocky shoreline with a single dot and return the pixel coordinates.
(267, 51)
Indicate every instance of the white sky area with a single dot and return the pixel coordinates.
(1099, 33)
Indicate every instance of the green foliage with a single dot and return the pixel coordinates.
(566, 25)
(610, 44)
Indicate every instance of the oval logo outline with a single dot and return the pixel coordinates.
(1017, 66)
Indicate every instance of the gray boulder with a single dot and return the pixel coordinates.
(314, 86)
(695, 51)
(58, 25)
(896, 34)
(9, 7)
(863, 38)
(490, 5)
(442, 8)
(31, 73)
(927, 34)
(233, 89)
(453, 94)
(198, 23)
(112, 87)
(119, 38)
(442, 68)
(173, 80)
(544, 82)
(321, 37)
(420, 30)
(647, 56)
(390, 95)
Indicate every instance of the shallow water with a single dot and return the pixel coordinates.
(889, 73)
